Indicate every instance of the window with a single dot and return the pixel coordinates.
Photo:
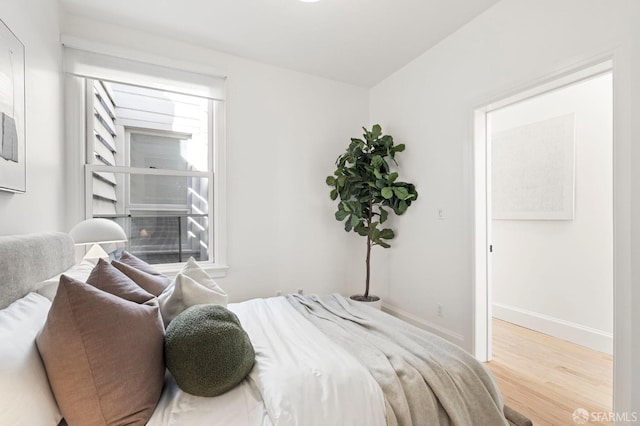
(152, 161)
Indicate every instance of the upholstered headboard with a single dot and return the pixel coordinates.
(25, 260)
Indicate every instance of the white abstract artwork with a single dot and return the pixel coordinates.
(533, 171)
(12, 112)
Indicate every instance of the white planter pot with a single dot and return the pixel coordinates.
(377, 304)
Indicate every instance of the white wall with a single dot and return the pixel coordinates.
(284, 131)
(556, 276)
(429, 105)
(631, 258)
(36, 24)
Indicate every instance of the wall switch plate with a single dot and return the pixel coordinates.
(440, 214)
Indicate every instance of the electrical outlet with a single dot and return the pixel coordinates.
(300, 291)
(440, 213)
(439, 310)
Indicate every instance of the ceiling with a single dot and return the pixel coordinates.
(355, 41)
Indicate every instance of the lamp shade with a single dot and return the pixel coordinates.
(97, 231)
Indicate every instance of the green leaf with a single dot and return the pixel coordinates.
(376, 131)
(344, 193)
(402, 207)
(387, 234)
(348, 225)
(376, 161)
(383, 244)
(399, 148)
(333, 194)
(401, 192)
(385, 167)
(383, 215)
(356, 208)
(331, 181)
(355, 141)
(345, 206)
(392, 177)
(361, 229)
(387, 192)
(341, 215)
(355, 220)
(377, 174)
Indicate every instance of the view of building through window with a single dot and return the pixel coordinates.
(149, 168)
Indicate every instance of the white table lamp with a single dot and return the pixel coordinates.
(96, 232)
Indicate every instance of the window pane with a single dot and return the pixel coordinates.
(168, 237)
(151, 189)
(159, 151)
(164, 233)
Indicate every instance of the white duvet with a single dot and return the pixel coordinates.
(300, 378)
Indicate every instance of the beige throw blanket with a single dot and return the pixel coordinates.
(425, 379)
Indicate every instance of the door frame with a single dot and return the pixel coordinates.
(482, 327)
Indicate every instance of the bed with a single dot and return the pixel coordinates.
(319, 360)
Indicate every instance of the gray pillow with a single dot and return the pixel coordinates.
(207, 351)
(188, 290)
(108, 278)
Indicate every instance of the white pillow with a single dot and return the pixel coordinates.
(80, 272)
(191, 286)
(25, 394)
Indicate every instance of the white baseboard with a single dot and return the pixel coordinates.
(565, 330)
(423, 324)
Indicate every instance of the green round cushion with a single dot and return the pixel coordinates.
(207, 351)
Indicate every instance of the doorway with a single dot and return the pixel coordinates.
(544, 145)
(544, 212)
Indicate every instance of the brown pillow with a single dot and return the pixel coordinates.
(107, 278)
(137, 263)
(103, 356)
(154, 284)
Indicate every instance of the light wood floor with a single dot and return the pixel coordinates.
(546, 378)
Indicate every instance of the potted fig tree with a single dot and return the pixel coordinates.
(366, 184)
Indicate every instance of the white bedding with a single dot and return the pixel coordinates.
(241, 406)
(300, 378)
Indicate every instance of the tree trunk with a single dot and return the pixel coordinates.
(366, 291)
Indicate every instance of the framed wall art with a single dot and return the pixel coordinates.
(12, 113)
(533, 171)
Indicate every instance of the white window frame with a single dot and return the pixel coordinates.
(127, 160)
(79, 179)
